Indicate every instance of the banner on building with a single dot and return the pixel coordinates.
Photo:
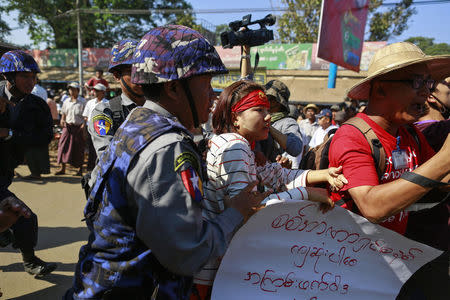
(369, 49)
(224, 80)
(341, 32)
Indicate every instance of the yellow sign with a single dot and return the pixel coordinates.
(224, 80)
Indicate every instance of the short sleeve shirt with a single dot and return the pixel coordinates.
(350, 149)
(73, 111)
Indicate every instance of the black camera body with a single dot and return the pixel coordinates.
(248, 37)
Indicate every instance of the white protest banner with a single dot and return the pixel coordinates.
(294, 251)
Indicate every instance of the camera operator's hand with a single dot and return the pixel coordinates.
(246, 202)
(11, 208)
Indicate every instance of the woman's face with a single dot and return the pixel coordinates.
(253, 123)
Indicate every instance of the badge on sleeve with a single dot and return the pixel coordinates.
(102, 124)
(193, 183)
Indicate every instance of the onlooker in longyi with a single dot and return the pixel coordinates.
(71, 143)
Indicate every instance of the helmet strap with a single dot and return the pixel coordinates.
(11, 78)
(188, 93)
(128, 88)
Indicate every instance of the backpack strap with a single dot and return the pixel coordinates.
(117, 112)
(378, 153)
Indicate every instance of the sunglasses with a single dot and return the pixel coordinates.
(417, 83)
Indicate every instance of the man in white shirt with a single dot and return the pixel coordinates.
(309, 125)
(325, 116)
(39, 91)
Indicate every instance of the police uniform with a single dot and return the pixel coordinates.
(154, 229)
(105, 121)
(31, 124)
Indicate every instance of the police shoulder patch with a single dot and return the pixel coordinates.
(186, 157)
(193, 183)
(102, 124)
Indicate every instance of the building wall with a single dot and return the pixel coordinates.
(312, 86)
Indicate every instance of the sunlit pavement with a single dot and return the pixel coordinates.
(58, 202)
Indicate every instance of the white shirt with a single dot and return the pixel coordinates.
(319, 135)
(230, 167)
(73, 111)
(40, 92)
(90, 105)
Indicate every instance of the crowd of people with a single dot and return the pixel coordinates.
(158, 232)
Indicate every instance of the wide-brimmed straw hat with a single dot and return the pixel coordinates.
(397, 56)
(310, 105)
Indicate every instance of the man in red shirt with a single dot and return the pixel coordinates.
(399, 80)
(98, 78)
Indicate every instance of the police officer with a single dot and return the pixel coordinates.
(25, 122)
(148, 236)
(108, 116)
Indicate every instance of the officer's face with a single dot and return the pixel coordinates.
(125, 80)
(25, 81)
(203, 95)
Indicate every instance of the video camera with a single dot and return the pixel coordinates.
(248, 36)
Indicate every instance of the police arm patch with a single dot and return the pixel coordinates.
(186, 157)
(193, 183)
(102, 124)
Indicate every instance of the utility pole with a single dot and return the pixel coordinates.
(80, 48)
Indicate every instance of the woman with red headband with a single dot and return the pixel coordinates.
(241, 117)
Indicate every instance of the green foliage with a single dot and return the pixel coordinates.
(429, 47)
(300, 23)
(389, 22)
(98, 30)
(221, 28)
(4, 30)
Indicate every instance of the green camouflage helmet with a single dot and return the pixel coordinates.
(279, 91)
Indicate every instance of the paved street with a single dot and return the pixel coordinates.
(58, 202)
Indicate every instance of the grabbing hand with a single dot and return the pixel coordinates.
(11, 209)
(284, 161)
(247, 202)
(320, 195)
(336, 179)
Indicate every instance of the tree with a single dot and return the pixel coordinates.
(300, 23)
(390, 22)
(46, 25)
(4, 30)
(428, 46)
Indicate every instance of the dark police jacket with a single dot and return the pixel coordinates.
(31, 122)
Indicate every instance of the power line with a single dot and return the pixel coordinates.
(208, 11)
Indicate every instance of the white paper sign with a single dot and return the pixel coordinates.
(294, 251)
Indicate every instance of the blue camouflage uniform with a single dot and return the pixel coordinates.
(148, 236)
(108, 116)
(152, 219)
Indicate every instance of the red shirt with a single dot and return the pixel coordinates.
(350, 149)
(93, 81)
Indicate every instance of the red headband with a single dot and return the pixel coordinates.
(252, 99)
